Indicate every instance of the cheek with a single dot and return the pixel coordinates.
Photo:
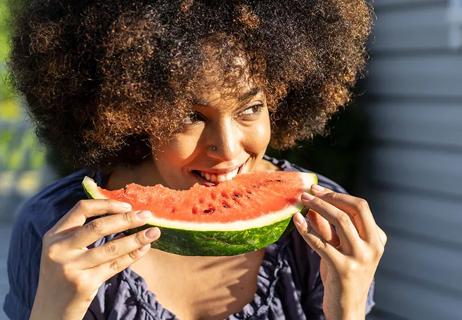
(177, 152)
(259, 135)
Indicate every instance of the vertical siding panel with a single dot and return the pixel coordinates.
(413, 171)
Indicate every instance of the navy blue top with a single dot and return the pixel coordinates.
(288, 285)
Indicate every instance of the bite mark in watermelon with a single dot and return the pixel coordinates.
(244, 214)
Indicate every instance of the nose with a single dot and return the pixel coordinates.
(224, 140)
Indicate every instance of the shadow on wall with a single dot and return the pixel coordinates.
(338, 154)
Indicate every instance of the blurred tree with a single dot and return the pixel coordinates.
(18, 144)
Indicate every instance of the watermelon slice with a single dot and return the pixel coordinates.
(244, 214)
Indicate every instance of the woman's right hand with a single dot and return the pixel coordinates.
(70, 273)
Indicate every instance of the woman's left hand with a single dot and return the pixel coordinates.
(349, 253)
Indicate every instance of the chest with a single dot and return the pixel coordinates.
(201, 287)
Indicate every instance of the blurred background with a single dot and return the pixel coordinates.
(399, 145)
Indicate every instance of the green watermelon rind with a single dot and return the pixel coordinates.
(191, 242)
(218, 243)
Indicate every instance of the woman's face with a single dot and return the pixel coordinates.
(224, 136)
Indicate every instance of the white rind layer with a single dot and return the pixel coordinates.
(269, 218)
(91, 188)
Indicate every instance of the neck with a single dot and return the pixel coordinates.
(144, 174)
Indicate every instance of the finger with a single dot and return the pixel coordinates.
(322, 247)
(118, 248)
(356, 208)
(85, 209)
(323, 228)
(101, 227)
(107, 270)
(349, 238)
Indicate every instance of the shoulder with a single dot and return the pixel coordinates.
(35, 217)
(285, 165)
(40, 212)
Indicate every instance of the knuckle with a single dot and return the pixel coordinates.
(140, 238)
(129, 217)
(83, 205)
(332, 195)
(362, 205)
(52, 252)
(68, 273)
(378, 251)
(110, 248)
(318, 203)
(351, 268)
(111, 205)
(134, 255)
(384, 236)
(116, 265)
(316, 244)
(343, 218)
(95, 227)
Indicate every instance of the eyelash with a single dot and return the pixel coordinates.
(256, 108)
(194, 117)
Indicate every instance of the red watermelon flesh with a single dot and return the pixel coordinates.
(245, 197)
(243, 214)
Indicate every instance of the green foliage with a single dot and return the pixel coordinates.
(19, 149)
(4, 30)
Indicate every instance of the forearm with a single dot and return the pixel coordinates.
(343, 310)
(54, 308)
(345, 314)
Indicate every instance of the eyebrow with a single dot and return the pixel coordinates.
(245, 96)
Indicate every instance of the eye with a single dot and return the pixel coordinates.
(254, 109)
(193, 118)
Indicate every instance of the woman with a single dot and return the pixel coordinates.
(177, 93)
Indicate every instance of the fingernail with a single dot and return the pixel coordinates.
(151, 233)
(143, 215)
(299, 219)
(307, 197)
(126, 206)
(317, 187)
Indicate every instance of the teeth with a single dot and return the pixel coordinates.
(218, 177)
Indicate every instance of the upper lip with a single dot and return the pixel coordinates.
(222, 170)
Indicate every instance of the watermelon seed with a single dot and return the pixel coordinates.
(224, 195)
(225, 205)
(195, 210)
(209, 210)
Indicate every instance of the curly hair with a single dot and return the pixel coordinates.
(108, 81)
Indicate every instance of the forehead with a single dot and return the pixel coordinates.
(215, 81)
(215, 96)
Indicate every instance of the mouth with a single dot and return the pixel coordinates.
(213, 178)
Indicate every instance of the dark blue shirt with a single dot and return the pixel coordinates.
(288, 284)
